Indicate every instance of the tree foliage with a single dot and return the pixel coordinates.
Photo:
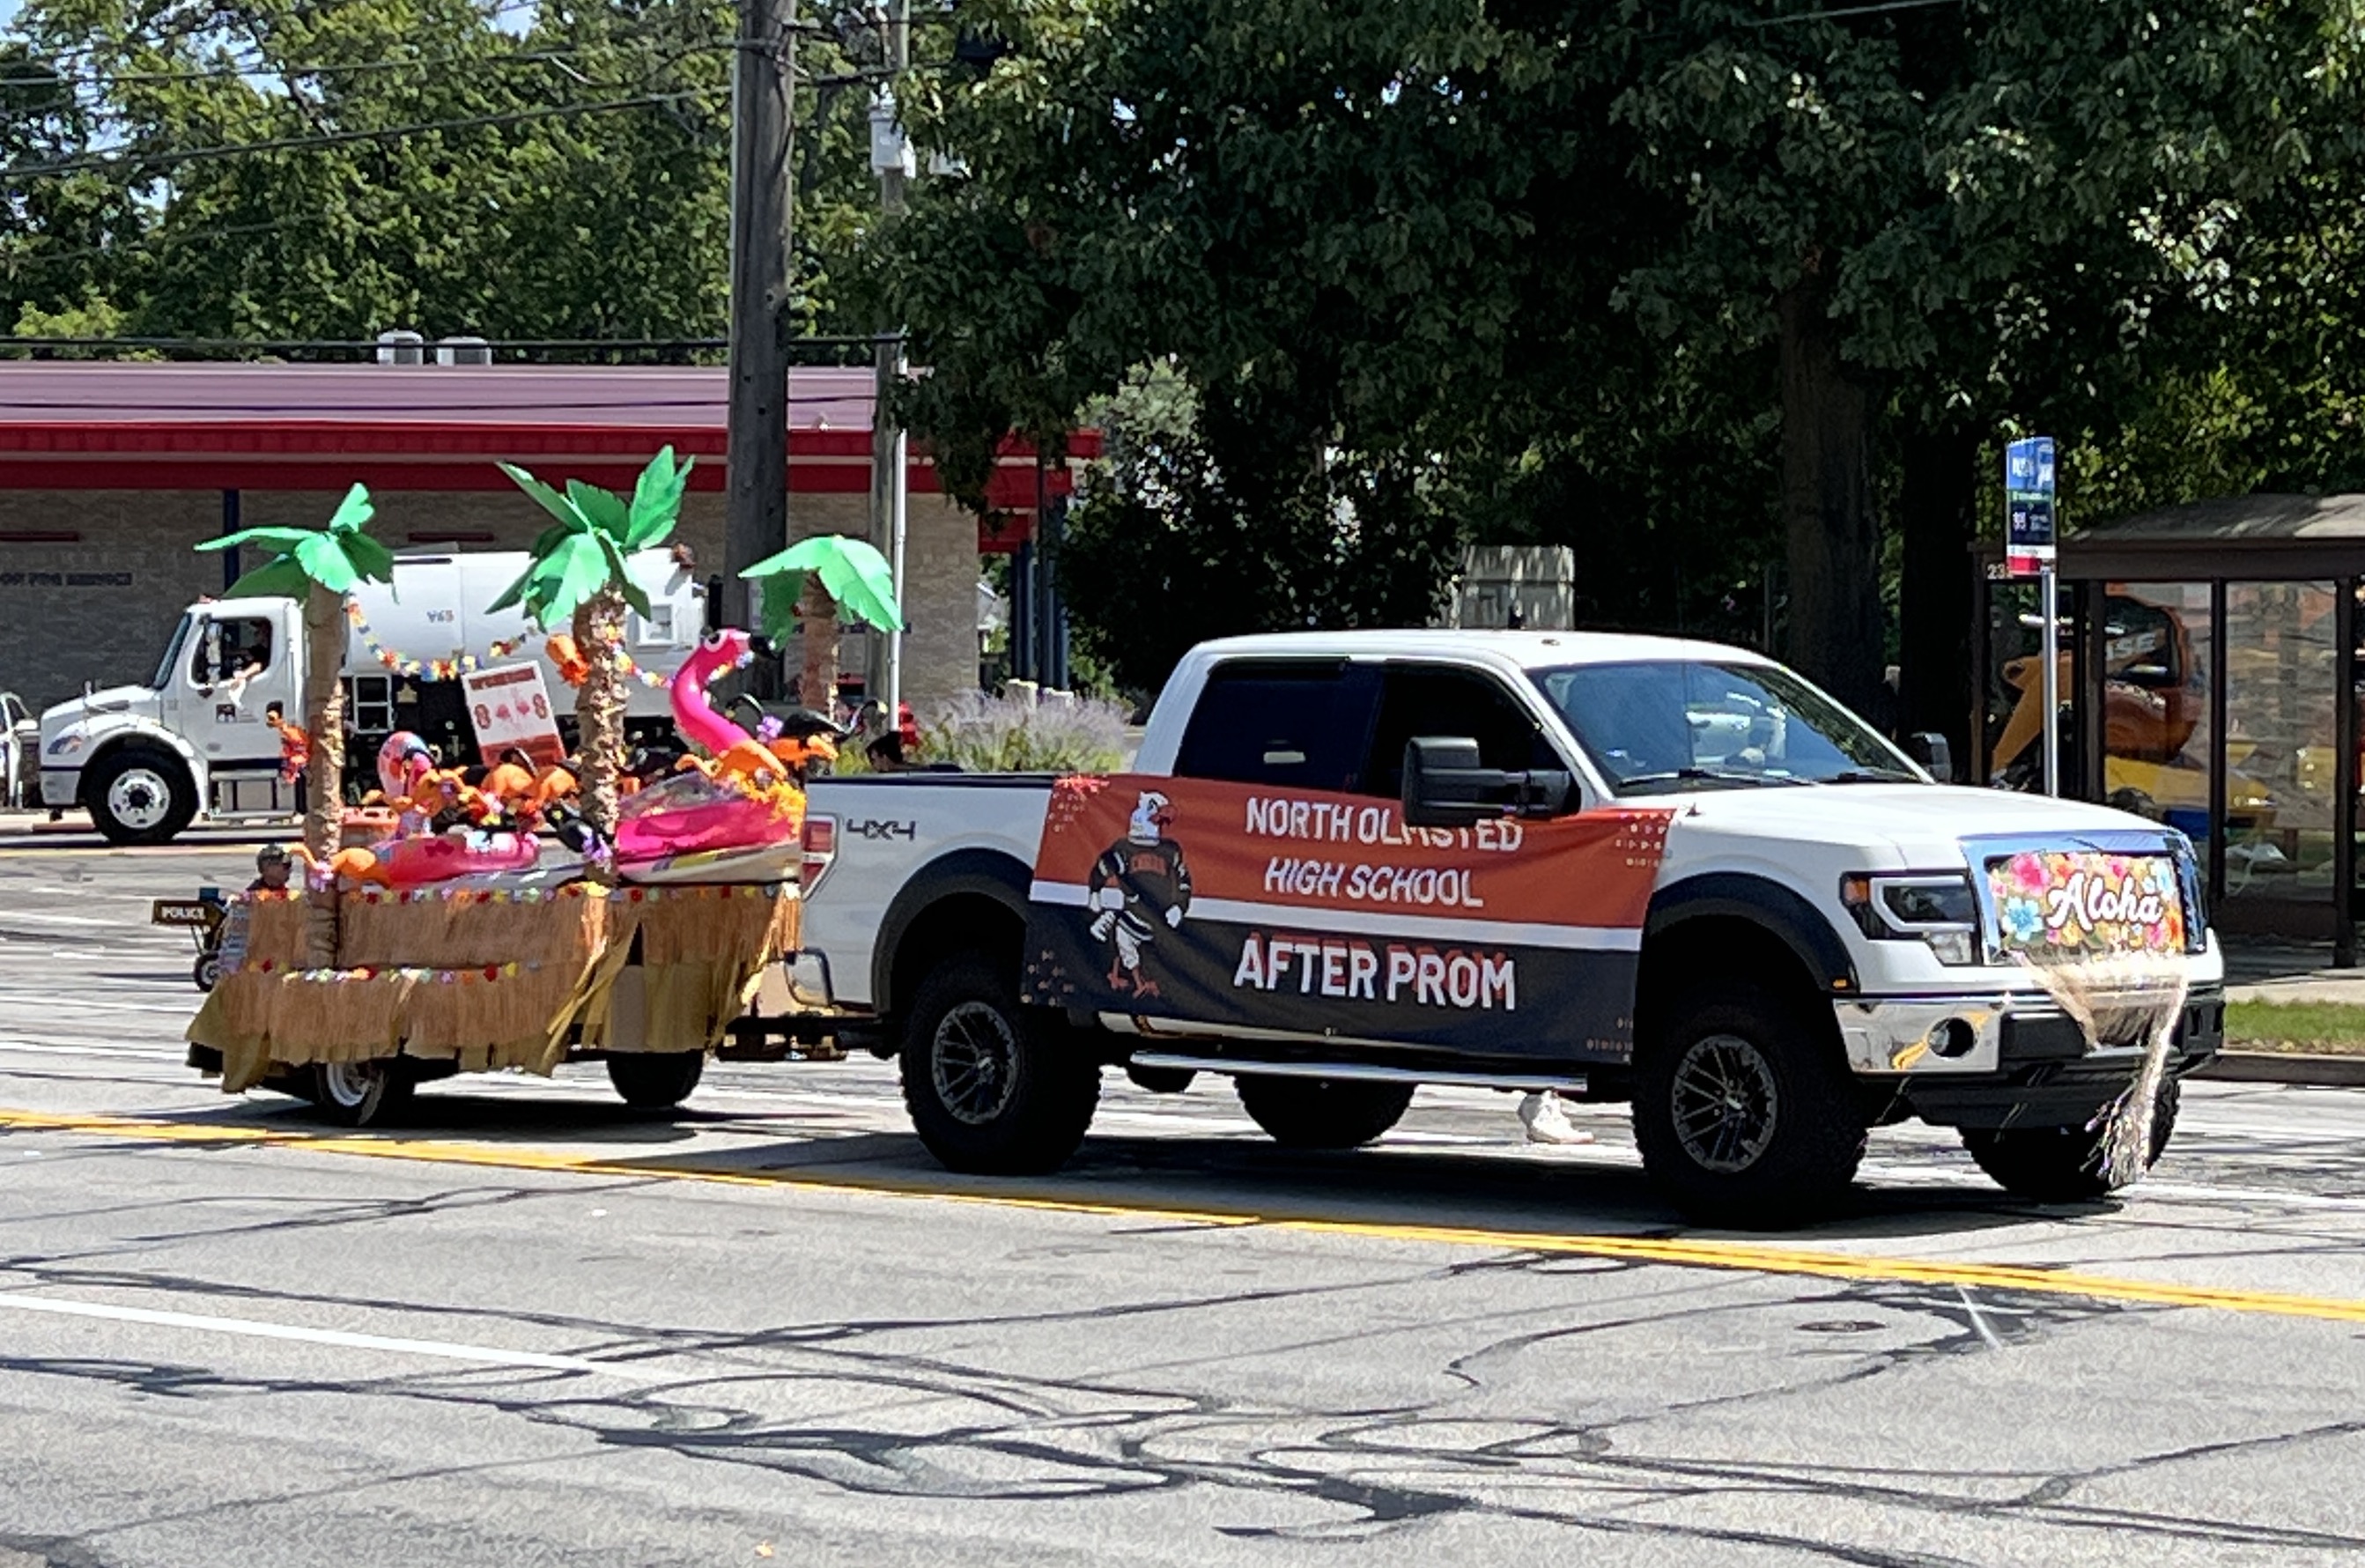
(1321, 219)
(283, 169)
(1733, 296)
(1682, 285)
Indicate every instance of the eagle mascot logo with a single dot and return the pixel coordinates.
(1138, 884)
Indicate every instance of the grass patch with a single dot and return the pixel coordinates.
(2332, 1027)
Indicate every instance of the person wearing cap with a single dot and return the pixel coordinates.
(272, 866)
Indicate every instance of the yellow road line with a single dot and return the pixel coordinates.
(1739, 1256)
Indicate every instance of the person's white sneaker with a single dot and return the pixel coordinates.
(1547, 1122)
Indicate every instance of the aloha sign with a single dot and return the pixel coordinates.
(2081, 902)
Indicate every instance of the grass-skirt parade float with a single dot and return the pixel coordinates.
(530, 912)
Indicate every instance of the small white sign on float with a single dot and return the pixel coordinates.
(510, 707)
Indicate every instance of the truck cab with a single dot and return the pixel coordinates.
(146, 759)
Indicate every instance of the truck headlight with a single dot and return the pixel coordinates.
(1936, 909)
(66, 745)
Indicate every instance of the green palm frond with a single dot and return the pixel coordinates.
(338, 556)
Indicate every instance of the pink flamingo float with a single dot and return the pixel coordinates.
(412, 856)
(734, 818)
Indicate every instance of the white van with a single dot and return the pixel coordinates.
(196, 743)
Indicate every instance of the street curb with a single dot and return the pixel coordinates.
(2279, 1067)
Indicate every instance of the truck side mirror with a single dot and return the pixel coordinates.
(1932, 751)
(1445, 785)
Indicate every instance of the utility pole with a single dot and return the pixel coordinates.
(756, 521)
(891, 160)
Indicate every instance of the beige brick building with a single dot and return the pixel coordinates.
(110, 474)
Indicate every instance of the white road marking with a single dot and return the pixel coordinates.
(82, 1049)
(40, 922)
(442, 1349)
(1978, 1321)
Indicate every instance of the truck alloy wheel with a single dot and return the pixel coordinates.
(1726, 1103)
(994, 1088)
(1743, 1106)
(975, 1062)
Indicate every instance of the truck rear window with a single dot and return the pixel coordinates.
(1299, 722)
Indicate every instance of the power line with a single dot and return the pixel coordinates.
(866, 340)
(338, 346)
(1849, 11)
(170, 240)
(215, 20)
(264, 68)
(24, 171)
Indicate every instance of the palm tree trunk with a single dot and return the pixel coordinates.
(817, 684)
(599, 707)
(324, 779)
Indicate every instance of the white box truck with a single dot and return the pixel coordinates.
(195, 744)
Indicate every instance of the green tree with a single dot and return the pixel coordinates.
(1952, 215)
(1329, 222)
(281, 169)
(61, 237)
(410, 164)
(1523, 264)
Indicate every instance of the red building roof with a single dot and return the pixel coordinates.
(320, 427)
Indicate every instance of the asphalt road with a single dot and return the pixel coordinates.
(529, 1326)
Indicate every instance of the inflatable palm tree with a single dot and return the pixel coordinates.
(580, 577)
(320, 567)
(846, 575)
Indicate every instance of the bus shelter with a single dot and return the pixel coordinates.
(2209, 681)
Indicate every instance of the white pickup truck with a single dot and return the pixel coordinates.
(1621, 868)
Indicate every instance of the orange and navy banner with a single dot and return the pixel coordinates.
(1239, 905)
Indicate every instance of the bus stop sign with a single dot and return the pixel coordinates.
(2028, 506)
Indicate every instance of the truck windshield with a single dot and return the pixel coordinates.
(163, 679)
(1662, 725)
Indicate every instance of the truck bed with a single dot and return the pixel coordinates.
(894, 831)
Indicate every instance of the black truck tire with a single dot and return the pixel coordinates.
(993, 1087)
(1744, 1114)
(358, 1093)
(655, 1081)
(1322, 1113)
(2063, 1165)
(141, 795)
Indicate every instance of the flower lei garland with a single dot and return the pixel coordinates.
(423, 669)
(403, 664)
(647, 678)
